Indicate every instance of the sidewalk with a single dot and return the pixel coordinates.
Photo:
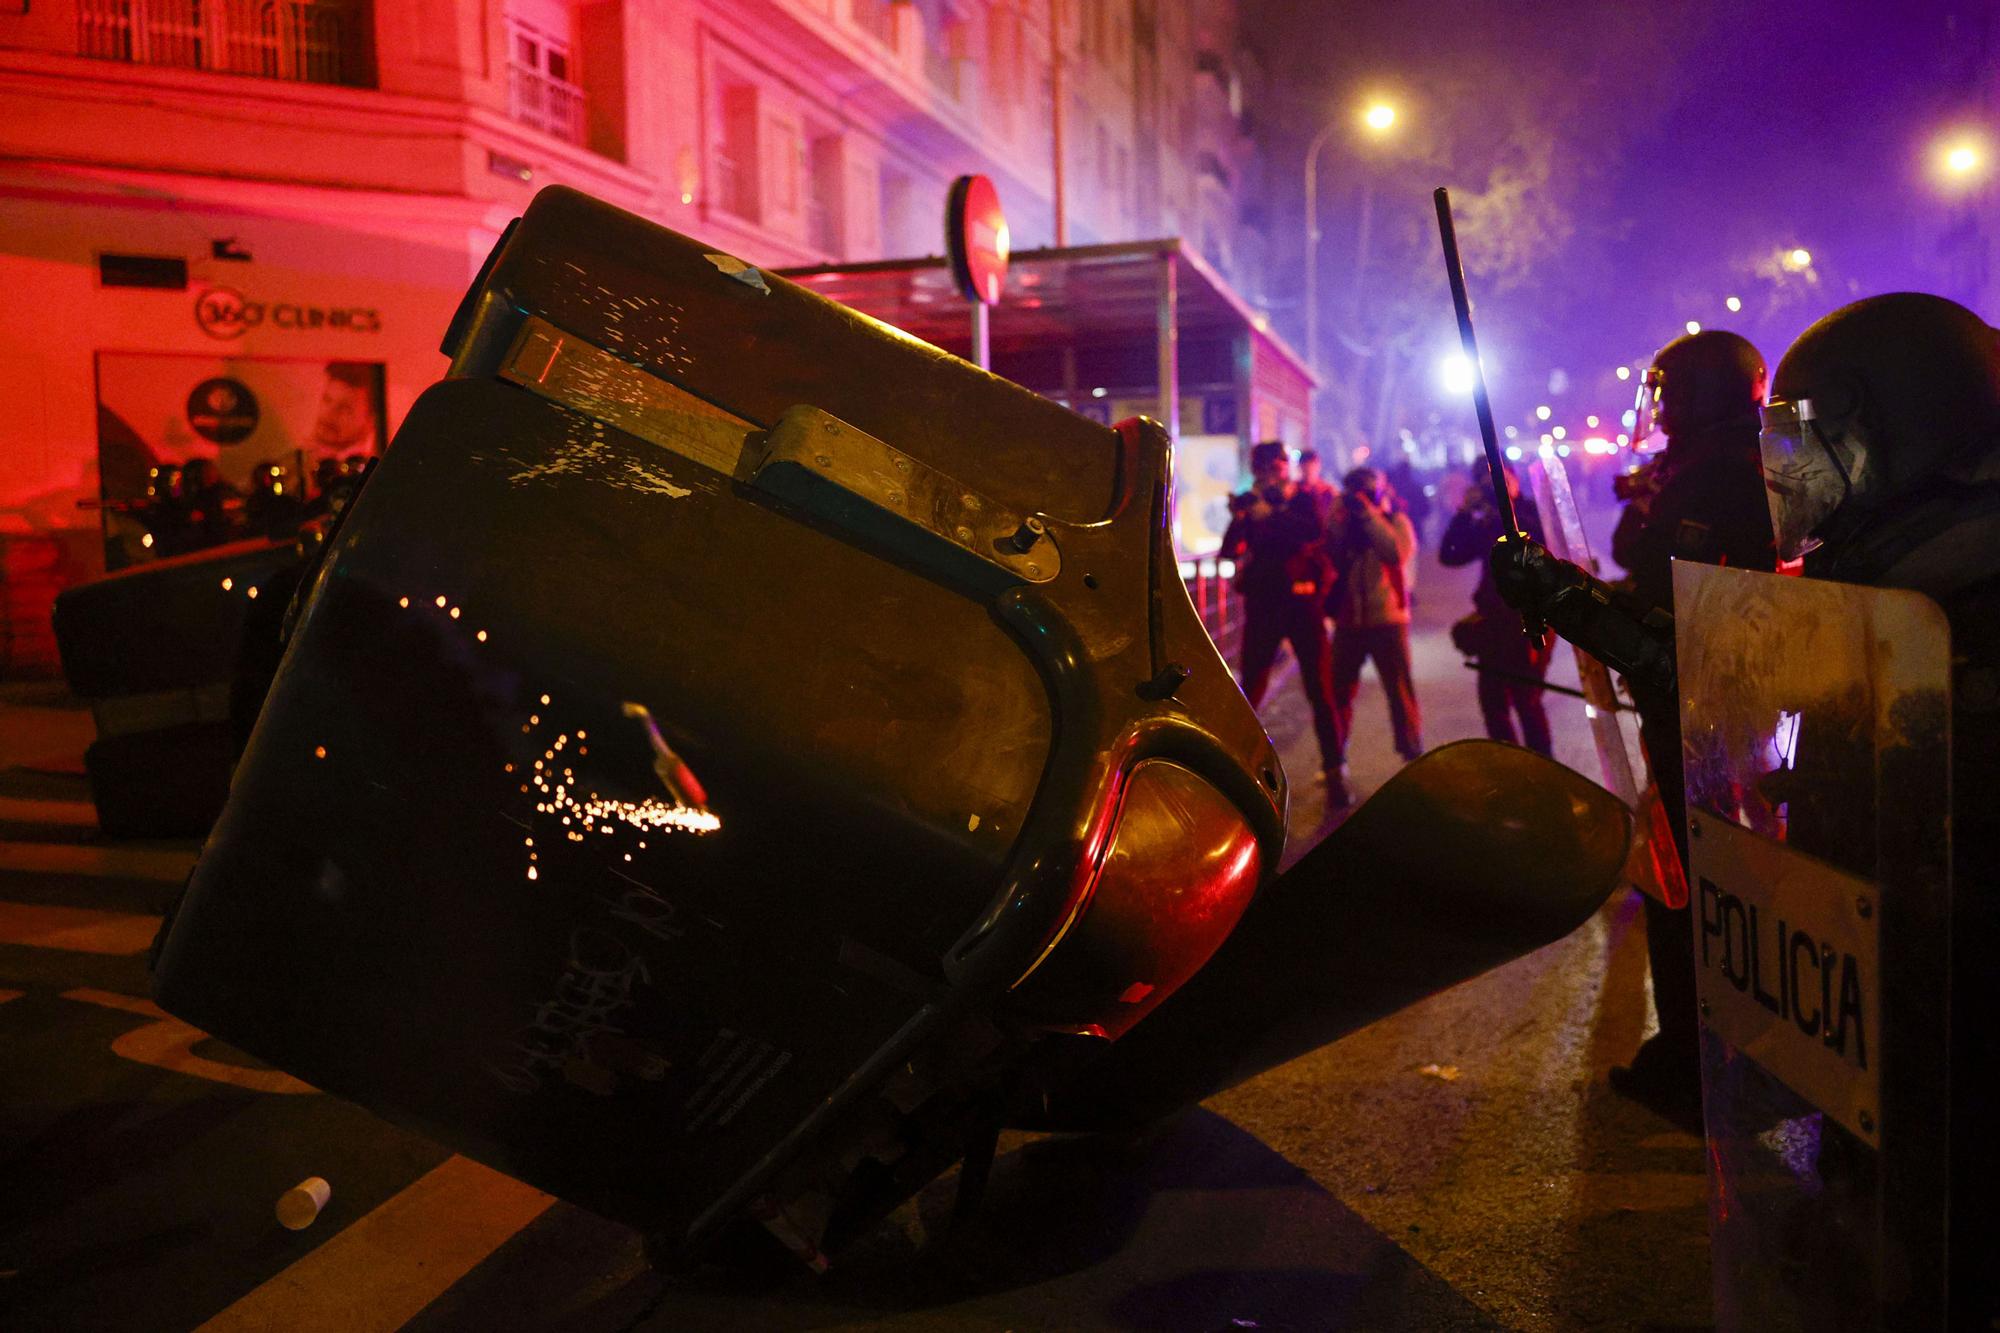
(44, 730)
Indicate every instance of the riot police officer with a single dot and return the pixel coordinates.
(1881, 457)
(1706, 503)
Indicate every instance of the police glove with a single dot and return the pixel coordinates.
(1609, 625)
(1528, 578)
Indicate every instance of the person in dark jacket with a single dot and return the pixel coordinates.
(1275, 536)
(1511, 665)
(1706, 503)
(1374, 551)
(1880, 458)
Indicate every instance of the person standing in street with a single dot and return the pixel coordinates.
(1276, 536)
(1511, 665)
(1373, 548)
(1703, 391)
(1324, 492)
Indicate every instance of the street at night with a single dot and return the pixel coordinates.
(1461, 1165)
(998, 664)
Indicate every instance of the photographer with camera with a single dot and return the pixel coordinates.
(1374, 549)
(1510, 665)
(1276, 536)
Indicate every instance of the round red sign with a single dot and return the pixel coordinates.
(975, 234)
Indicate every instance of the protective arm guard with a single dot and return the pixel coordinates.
(1630, 638)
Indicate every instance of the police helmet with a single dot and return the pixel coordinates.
(1703, 380)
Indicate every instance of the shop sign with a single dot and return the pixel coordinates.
(222, 410)
(224, 312)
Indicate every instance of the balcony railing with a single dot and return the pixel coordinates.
(549, 105)
(304, 41)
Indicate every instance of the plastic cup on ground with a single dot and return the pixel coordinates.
(300, 1205)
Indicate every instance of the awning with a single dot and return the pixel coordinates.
(1139, 327)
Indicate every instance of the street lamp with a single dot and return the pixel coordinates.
(1798, 260)
(1379, 117)
(1961, 161)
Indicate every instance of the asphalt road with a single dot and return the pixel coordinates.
(1460, 1165)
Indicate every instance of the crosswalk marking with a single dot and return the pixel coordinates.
(21, 810)
(381, 1271)
(167, 1043)
(57, 858)
(77, 929)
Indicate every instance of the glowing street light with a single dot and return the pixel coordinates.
(1735, 303)
(1543, 413)
(1961, 160)
(1798, 259)
(1694, 326)
(1624, 372)
(1379, 117)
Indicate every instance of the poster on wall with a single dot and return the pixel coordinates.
(195, 451)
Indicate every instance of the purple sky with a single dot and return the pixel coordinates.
(1695, 140)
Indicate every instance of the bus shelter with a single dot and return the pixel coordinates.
(1140, 328)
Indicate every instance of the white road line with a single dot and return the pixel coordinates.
(78, 929)
(57, 858)
(167, 1043)
(73, 814)
(381, 1271)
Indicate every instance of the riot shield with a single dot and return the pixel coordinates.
(1652, 865)
(1816, 725)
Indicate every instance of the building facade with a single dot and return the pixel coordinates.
(235, 229)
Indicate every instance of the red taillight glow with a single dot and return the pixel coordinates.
(1179, 866)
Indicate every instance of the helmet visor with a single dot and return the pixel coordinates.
(1804, 481)
(1647, 436)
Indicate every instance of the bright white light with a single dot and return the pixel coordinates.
(1624, 372)
(1735, 303)
(1559, 432)
(1187, 570)
(1693, 326)
(1629, 419)
(1590, 421)
(1547, 439)
(1962, 160)
(1562, 451)
(1597, 444)
(1456, 372)
(1512, 432)
(1379, 116)
(1225, 569)
(1099, 392)
(1542, 413)
(1624, 440)
(1513, 453)
(1547, 451)
(1799, 258)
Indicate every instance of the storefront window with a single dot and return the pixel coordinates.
(197, 451)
